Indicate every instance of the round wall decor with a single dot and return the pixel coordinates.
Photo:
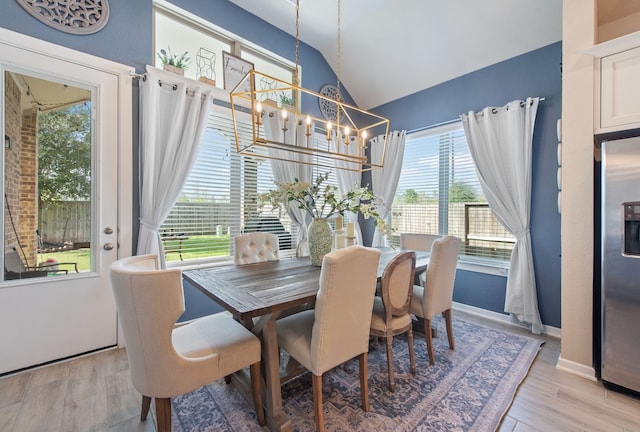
(329, 109)
(77, 17)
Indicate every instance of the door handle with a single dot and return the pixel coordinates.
(107, 246)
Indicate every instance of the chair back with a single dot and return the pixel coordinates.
(149, 302)
(256, 247)
(343, 306)
(396, 286)
(441, 273)
(419, 242)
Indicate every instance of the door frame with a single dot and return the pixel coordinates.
(124, 134)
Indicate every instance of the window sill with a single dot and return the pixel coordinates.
(486, 266)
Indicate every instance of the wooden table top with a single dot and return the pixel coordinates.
(253, 290)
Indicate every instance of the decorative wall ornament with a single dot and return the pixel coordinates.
(79, 17)
(329, 109)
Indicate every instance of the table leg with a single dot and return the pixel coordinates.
(277, 420)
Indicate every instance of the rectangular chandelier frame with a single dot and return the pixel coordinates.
(279, 130)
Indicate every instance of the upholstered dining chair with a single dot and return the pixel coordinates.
(391, 309)
(337, 329)
(256, 247)
(418, 242)
(165, 359)
(436, 296)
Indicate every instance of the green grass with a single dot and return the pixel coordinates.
(198, 247)
(79, 256)
(195, 247)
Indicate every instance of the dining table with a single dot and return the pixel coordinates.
(260, 293)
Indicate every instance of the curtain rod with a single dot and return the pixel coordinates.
(444, 123)
(433, 126)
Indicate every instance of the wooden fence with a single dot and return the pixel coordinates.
(65, 222)
(70, 221)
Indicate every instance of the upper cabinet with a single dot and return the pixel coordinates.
(617, 95)
(617, 53)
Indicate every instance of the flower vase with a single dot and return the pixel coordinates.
(320, 240)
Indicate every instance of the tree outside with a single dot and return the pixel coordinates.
(64, 154)
(462, 192)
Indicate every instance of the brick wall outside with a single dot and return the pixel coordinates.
(29, 186)
(20, 174)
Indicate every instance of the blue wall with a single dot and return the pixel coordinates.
(536, 73)
(127, 39)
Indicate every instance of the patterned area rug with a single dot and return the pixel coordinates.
(468, 389)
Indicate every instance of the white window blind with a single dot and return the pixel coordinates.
(439, 193)
(219, 199)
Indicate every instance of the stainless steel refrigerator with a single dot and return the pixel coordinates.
(620, 266)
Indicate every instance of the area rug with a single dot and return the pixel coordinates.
(468, 389)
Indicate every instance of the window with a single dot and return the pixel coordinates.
(219, 198)
(183, 32)
(439, 193)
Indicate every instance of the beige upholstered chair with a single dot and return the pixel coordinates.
(165, 359)
(418, 242)
(391, 310)
(436, 296)
(338, 329)
(415, 241)
(256, 247)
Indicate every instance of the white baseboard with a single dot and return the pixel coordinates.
(554, 332)
(576, 369)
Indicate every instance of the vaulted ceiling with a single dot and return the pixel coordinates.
(390, 49)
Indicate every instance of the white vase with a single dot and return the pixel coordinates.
(320, 240)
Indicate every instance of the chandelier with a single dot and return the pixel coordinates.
(280, 130)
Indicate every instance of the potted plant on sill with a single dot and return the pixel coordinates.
(287, 101)
(172, 62)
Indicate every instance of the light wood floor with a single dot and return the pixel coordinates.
(94, 393)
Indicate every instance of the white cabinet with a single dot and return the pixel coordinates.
(617, 92)
(620, 90)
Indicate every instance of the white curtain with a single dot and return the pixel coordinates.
(173, 114)
(384, 181)
(348, 179)
(500, 141)
(286, 172)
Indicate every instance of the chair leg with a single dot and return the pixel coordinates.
(429, 338)
(256, 392)
(317, 401)
(146, 403)
(412, 355)
(163, 414)
(447, 318)
(392, 384)
(363, 362)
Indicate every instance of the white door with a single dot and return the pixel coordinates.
(66, 198)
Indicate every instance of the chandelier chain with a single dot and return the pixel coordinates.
(296, 79)
(339, 95)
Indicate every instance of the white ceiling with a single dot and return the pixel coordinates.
(390, 49)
